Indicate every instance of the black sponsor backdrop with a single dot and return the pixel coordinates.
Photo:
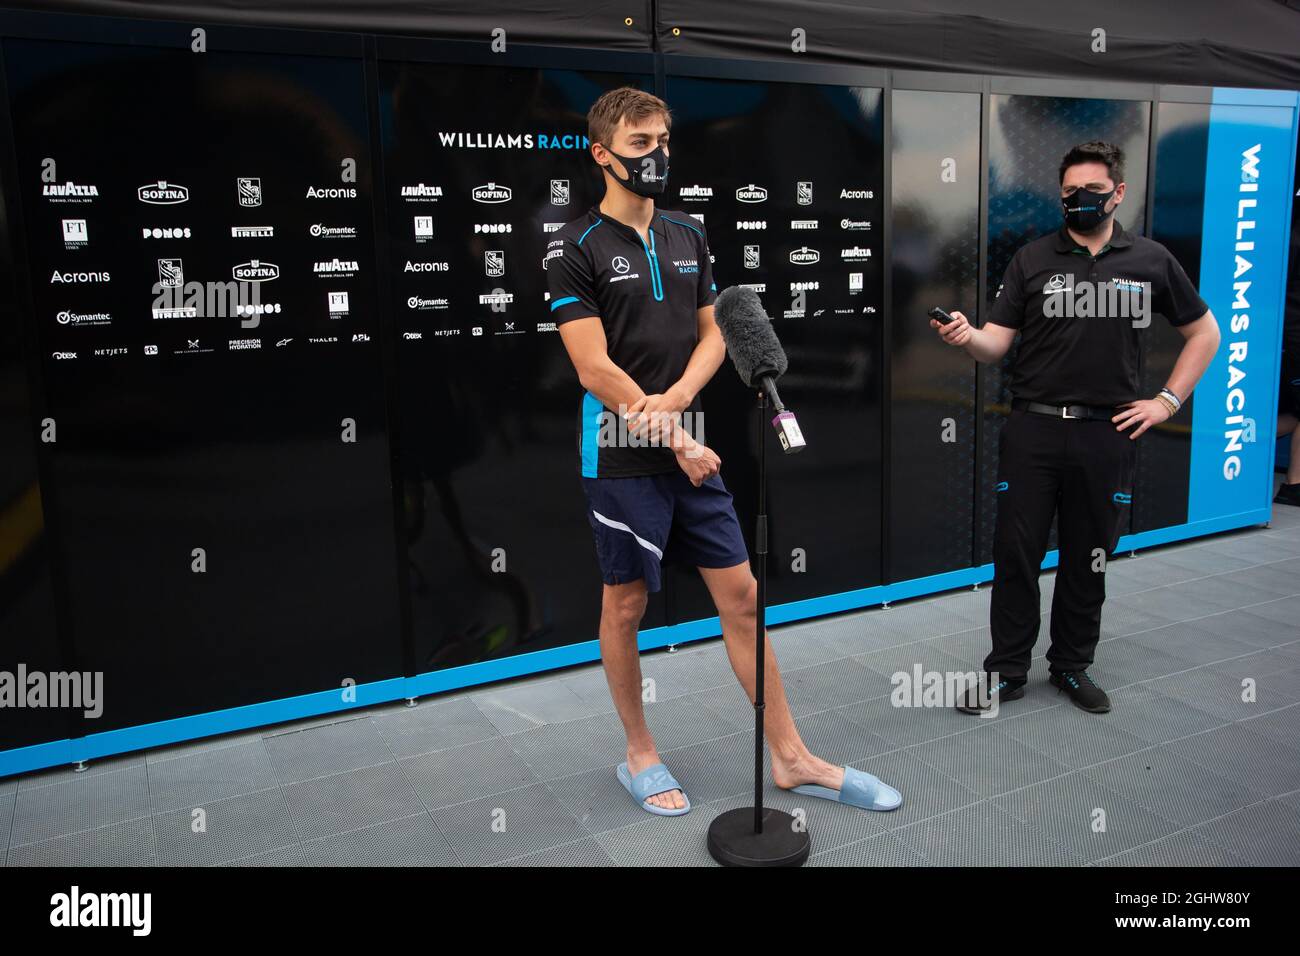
(27, 598)
(935, 261)
(1028, 135)
(823, 503)
(1178, 208)
(500, 556)
(239, 453)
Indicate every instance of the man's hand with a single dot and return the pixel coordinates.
(657, 415)
(700, 462)
(957, 332)
(1144, 413)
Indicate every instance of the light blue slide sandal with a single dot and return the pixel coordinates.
(860, 789)
(650, 781)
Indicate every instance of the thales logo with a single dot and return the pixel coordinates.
(803, 256)
(73, 192)
(163, 193)
(491, 193)
(256, 270)
(751, 193)
(421, 192)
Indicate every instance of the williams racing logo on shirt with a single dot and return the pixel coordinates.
(687, 266)
(1117, 298)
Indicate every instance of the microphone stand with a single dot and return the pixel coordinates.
(757, 836)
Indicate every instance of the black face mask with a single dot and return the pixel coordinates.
(649, 173)
(1085, 210)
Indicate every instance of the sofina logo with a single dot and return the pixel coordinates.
(751, 193)
(491, 193)
(163, 193)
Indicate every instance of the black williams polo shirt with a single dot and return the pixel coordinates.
(646, 296)
(1081, 316)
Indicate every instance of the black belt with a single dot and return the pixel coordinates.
(1098, 412)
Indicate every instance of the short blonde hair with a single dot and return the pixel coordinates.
(626, 103)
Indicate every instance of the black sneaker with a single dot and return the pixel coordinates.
(1288, 494)
(1083, 691)
(969, 701)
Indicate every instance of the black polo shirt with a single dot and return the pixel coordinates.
(1081, 316)
(647, 297)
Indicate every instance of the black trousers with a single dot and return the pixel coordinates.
(1082, 472)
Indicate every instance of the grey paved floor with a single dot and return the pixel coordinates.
(1183, 771)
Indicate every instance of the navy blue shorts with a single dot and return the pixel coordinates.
(642, 521)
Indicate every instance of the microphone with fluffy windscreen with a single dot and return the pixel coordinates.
(757, 354)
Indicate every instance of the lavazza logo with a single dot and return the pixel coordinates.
(751, 193)
(336, 268)
(491, 193)
(421, 193)
(69, 192)
(695, 193)
(319, 230)
(255, 270)
(163, 193)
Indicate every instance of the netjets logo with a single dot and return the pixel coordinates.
(491, 193)
(803, 256)
(620, 265)
(163, 193)
(751, 193)
(255, 270)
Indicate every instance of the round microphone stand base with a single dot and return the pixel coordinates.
(733, 842)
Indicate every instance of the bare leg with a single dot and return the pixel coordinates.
(622, 607)
(735, 593)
